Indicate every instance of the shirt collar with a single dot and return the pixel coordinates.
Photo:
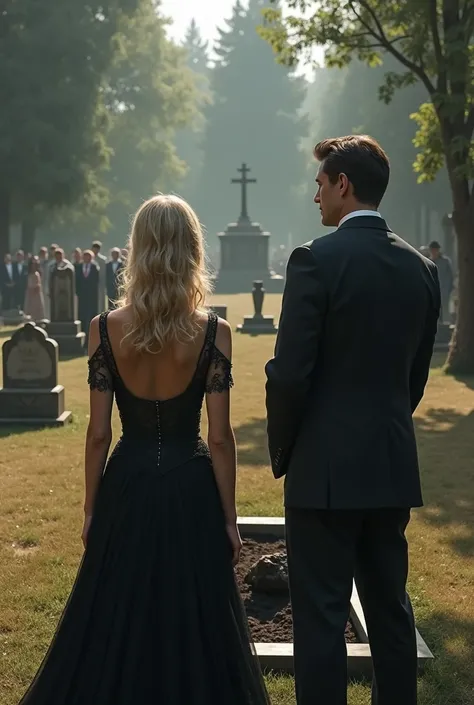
(356, 214)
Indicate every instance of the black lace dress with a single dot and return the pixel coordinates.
(155, 617)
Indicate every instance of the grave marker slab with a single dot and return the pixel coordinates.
(64, 326)
(31, 395)
(258, 324)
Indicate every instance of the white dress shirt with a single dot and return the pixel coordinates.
(9, 267)
(357, 214)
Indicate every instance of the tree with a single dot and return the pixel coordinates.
(255, 117)
(52, 60)
(189, 142)
(432, 42)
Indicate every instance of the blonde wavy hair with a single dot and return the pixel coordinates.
(165, 279)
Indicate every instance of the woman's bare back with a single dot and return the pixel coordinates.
(163, 375)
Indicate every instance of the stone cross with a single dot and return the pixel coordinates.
(244, 170)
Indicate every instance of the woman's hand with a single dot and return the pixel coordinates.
(235, 541)
(85, 530)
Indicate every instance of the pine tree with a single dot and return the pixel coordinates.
(189, 141)
(255, 117)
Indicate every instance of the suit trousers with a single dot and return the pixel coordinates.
(326, 550)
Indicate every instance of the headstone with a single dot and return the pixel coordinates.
(258, 324)
(244, 251)
(31, 395)
(220, 310)
(444, 336)
(64, 326)
(14, 317)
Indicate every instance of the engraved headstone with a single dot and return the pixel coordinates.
(64, 326)
(258, 324)
(31, 395)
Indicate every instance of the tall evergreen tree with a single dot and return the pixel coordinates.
(255, 117)
(189, 142)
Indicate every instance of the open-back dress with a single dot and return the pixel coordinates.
(155, 616)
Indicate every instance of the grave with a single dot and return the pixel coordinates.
(31, 395)
(278, 656)
(220, 310)
(13, 317)
(244, 251)
(443, 338)
(64, 326)
(258, 324)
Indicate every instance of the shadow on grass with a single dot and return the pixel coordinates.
(446, 443)
(17, 430)
(449, 680)
(252, 442)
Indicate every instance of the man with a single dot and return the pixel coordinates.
(44, 264)
(7, 283)
(87, 289)
(446, 278)
(101, 262)
(352, 358)
(20, 274)
(114, 267)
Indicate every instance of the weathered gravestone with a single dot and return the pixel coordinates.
(220, 310)
(31, 395)
(258, 324)
(64, 327)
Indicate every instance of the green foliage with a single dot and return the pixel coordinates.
(432, 43)
(52, 124)
(255, 117)
(148, 93)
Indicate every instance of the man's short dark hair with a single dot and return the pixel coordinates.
(362, 160)
(434, 245)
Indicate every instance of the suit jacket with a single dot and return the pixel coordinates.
(87, 290)
(112, 288)
(357, 329)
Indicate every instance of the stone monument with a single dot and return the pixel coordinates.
(64, 326)
(244, 251)
(220, 310)
(258, 324)
(31, 395)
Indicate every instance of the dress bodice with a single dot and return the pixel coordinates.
(167, 432)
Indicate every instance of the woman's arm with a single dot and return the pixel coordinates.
(99, 431)
(221, 436)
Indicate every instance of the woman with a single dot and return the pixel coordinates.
(34, 299)
(155, 617)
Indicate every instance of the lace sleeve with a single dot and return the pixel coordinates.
(219, 376)
(99, 377)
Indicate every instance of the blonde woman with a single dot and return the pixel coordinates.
(155, 617)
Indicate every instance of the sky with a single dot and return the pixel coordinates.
(209, 14)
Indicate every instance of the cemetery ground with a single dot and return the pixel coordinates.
(41, 481)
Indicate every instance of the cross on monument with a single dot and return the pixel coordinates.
(244, 170)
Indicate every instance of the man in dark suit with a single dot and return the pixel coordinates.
(114, 267)
(7, 283)
(20, 274)
(87, 290)
(352, 358)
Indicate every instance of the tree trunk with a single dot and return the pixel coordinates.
(461, 355)
(28, 233)
(4, 221)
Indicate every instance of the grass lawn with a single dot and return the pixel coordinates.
(41, 495)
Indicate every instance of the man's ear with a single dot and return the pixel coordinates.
(344, 184)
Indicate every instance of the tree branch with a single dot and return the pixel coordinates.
(440, 59)
(383, 39)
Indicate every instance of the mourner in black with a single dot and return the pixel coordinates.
(352, 358)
